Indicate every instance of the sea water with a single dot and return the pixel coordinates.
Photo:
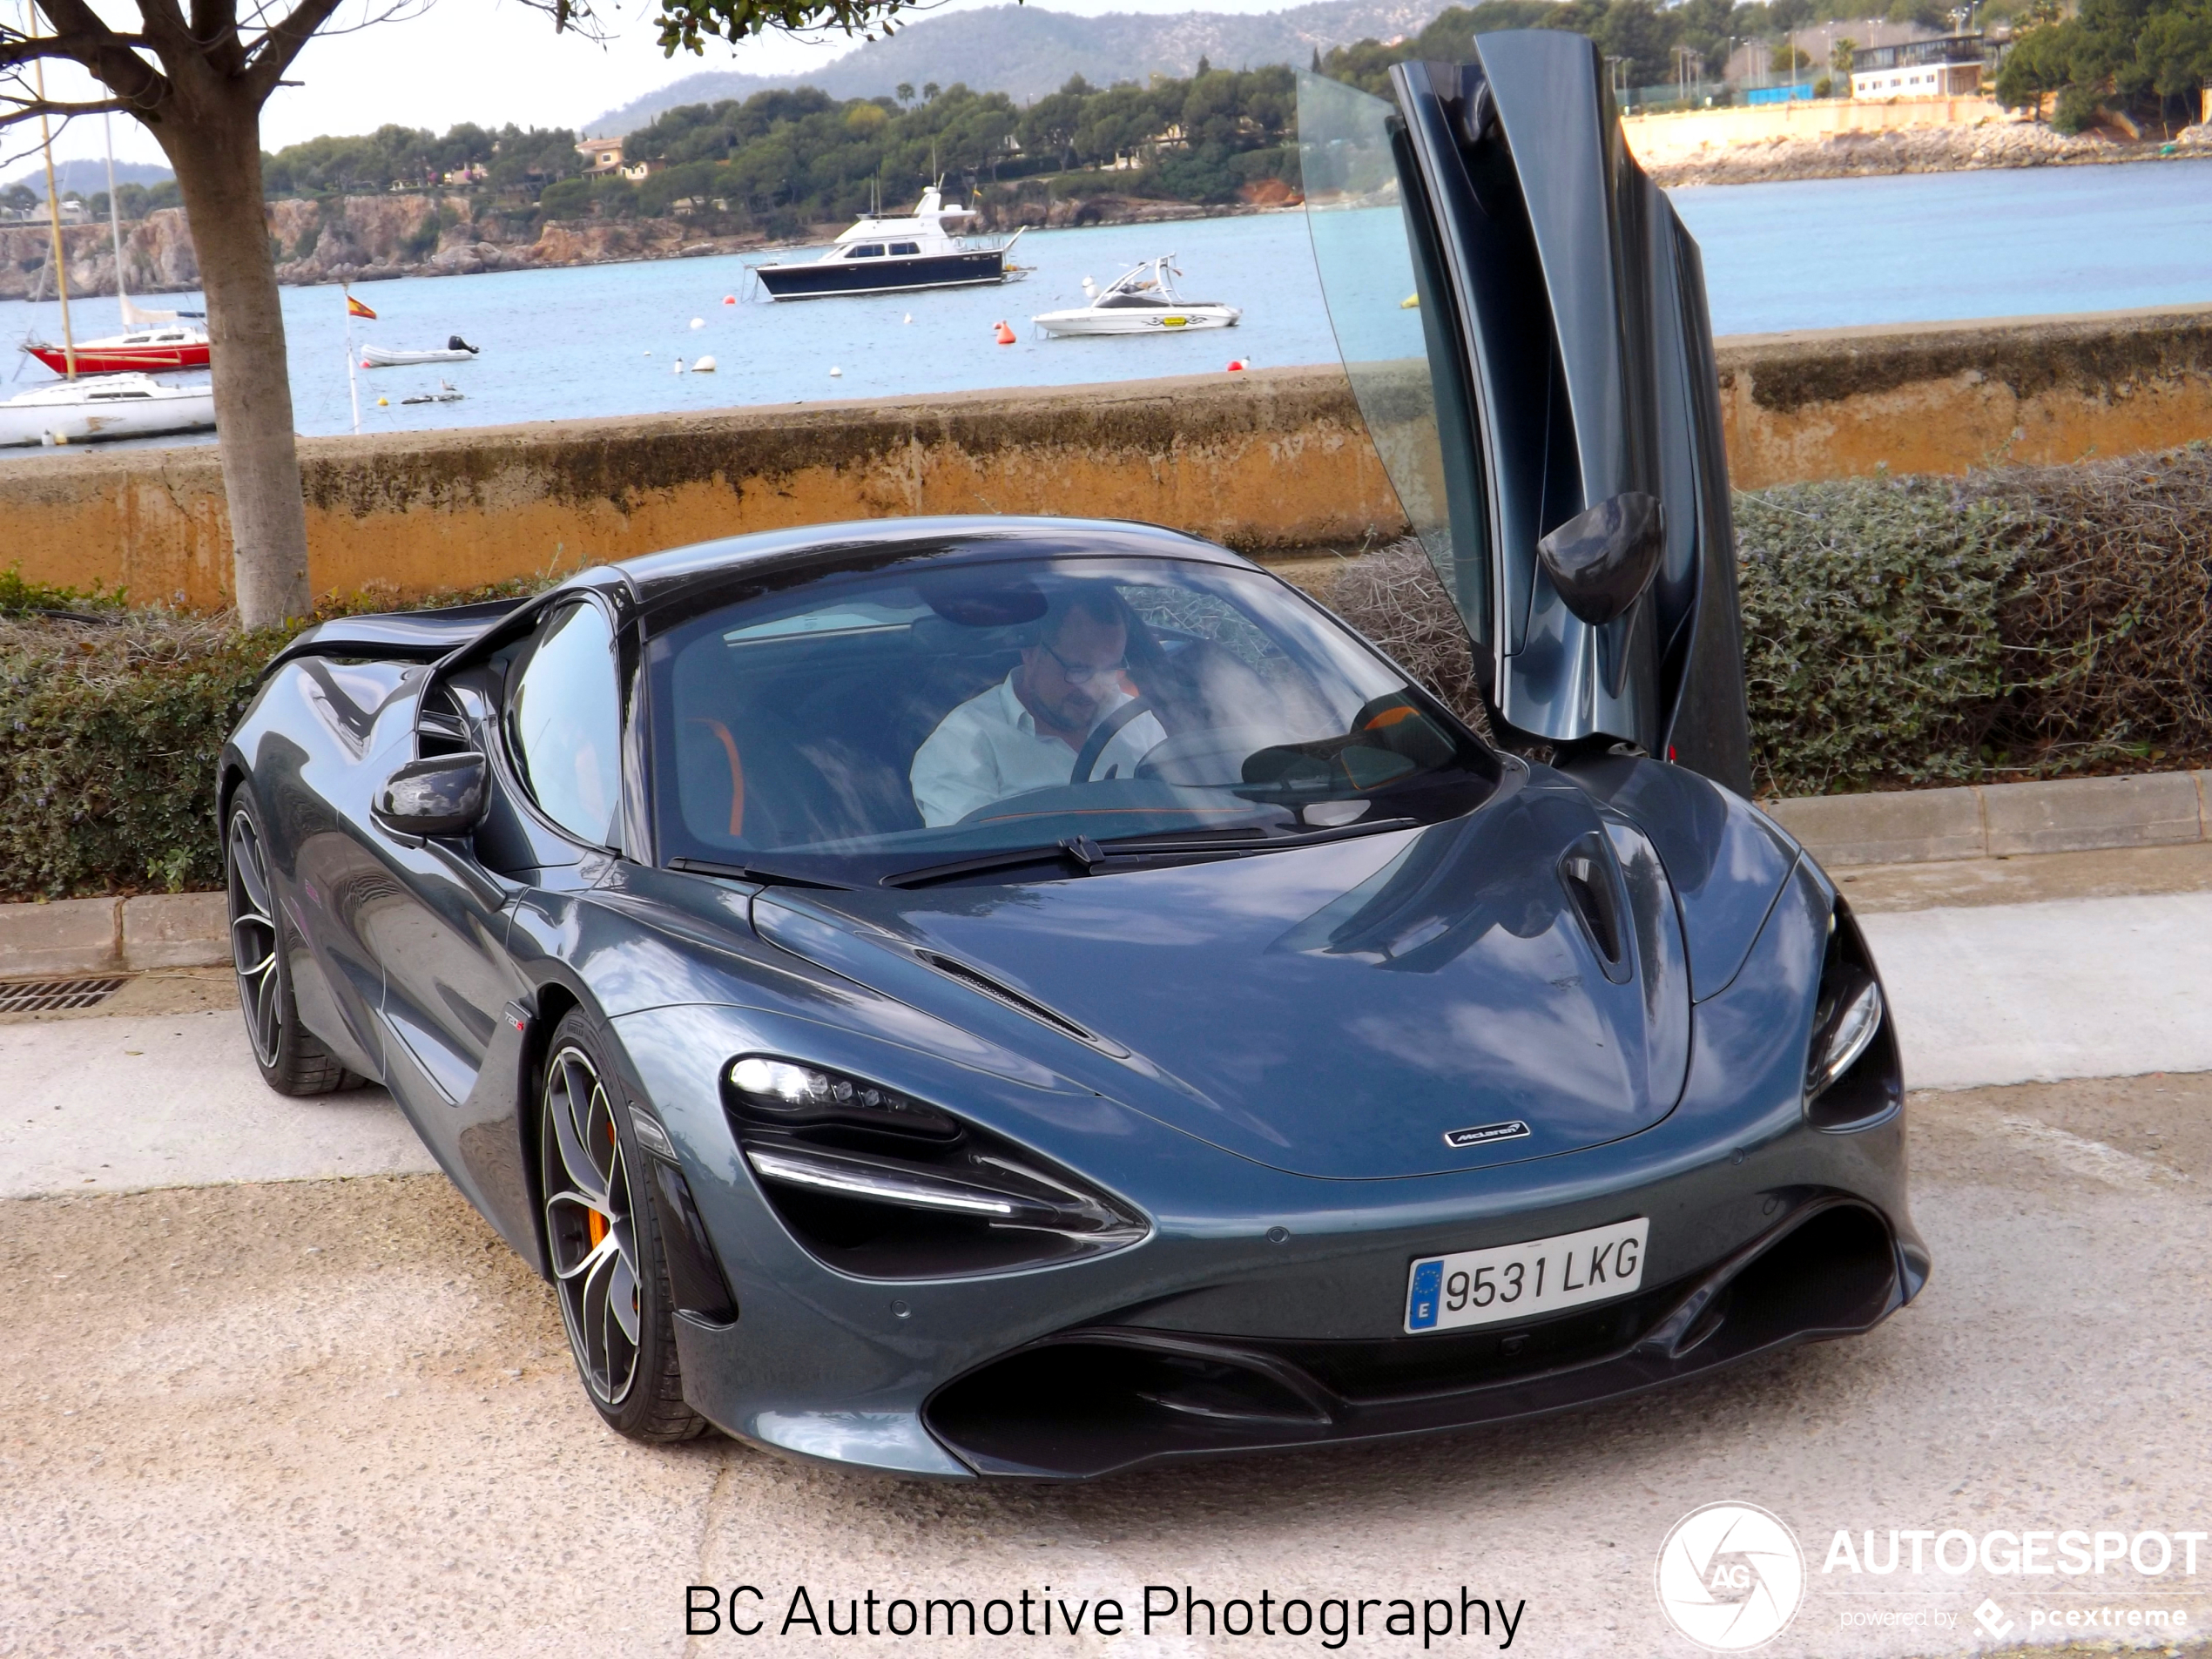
(605, 340)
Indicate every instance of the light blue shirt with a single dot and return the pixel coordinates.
(989, 748)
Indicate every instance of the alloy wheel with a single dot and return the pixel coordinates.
(589, 1222)
(253, 941)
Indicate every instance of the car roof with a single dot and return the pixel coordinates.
(655, 580)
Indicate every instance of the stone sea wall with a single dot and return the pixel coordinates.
(1274, 462)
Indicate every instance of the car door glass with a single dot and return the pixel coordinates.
(564, 723)
(1390, 311)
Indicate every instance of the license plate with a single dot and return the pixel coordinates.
(1525, 1281)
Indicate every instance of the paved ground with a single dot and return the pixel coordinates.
(334, 1415)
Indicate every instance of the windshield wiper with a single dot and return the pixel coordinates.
(751, 873)
(1089, 855)
(1230, 841)
(1077, 849)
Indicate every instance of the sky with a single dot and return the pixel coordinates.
(486, 61)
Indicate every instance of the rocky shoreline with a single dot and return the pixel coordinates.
(1856, 155)
(374, 239)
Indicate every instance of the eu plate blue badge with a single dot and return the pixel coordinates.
(1428, 1284)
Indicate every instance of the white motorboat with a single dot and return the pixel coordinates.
(891, 255)
(97, 407)
(1143, 301)
(457, 350)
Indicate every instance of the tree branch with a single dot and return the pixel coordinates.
(81, 36)
(22, 49)
(272, 54)
(12, 113)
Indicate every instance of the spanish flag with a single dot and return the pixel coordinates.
(355, 308)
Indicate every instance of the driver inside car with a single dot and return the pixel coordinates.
(1027, 732)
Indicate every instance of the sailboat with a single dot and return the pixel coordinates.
(150, 339)
(89, 406)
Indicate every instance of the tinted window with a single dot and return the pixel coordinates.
(873, 724)
(1389, 304)
(564, 723)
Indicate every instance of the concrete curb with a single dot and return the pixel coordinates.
(113, 936)
(1902, 826)
(2001, 821)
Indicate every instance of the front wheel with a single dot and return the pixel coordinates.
(292, 1060)
(604, 1241)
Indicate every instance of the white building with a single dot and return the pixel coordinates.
(1947, 66)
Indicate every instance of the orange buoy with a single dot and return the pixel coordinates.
(1005, 335)
(729, 298)
(1236, 366)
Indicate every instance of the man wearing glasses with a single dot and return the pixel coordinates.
(1026, 731)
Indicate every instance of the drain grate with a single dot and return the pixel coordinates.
(46, 995)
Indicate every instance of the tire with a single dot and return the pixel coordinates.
(603, 1243)
(292, 1060)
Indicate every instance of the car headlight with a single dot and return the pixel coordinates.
(881, 1186)
(784, 1091)
(1852, 1078)
(1851, 1013)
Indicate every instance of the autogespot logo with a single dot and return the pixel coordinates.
(1731, 1576)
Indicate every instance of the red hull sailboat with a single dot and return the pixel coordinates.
(144, 350)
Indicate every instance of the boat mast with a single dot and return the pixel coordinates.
(115, 220)
(54, 217)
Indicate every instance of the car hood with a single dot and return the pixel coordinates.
(1334, 1010)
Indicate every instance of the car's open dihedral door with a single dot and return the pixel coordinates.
(1523, 319)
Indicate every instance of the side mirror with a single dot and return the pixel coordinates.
(441, 796)
(1602, 559)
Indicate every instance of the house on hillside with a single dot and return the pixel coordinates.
(600, 155)
(1946, 66)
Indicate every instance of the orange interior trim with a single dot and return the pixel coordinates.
(1388, 716)
(736, 771)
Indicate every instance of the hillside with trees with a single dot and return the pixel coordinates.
(2146, 57)
(784, 159)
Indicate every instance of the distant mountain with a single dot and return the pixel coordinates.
(87, 177)
(1028, 51)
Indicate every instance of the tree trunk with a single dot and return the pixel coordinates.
(216, 157)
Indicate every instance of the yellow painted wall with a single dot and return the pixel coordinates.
(1950, 397)
(1261, 461)
(1272, 462)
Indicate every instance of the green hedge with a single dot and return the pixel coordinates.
(2027, 622)
(111, 722)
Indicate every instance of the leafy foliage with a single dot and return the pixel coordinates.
(110, 730)
(2149, 55)
(785, 158)
(2021, 624)
(1870, 623)
(136, 201)
(512, 158)
(1640, 31)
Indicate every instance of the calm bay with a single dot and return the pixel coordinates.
(604, 339)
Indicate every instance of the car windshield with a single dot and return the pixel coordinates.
(885, 725)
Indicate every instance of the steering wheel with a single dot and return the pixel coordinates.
(1103, 734)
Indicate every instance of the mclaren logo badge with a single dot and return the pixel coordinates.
(1483, 1133)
